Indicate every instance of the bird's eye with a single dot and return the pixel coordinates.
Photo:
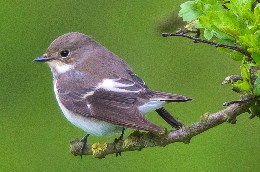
(64, 53)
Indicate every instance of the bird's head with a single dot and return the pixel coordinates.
(66, 51)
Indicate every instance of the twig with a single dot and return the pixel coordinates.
(182, 33)
(139, 140)
(232, 79)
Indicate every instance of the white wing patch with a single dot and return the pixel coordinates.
(88, 94)
(113, 85)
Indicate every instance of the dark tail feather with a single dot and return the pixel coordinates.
(162, 96)
(169, 118)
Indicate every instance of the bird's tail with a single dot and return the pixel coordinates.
(168, 97)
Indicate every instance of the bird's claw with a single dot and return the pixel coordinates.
(84, 142)
(117, 140)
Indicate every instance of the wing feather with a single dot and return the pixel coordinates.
(119, 108)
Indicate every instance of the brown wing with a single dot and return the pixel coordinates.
(137, 79)
(119, 108)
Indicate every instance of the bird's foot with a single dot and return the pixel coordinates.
(84, 142)
(117, 140)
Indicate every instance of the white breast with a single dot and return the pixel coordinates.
(89, 125)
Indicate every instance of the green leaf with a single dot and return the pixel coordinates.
(237, 56)
(245, 72)
(238, 23)
(257, 14)
(257, 86)
(250, 40)
(189, 11)
(244, 85)
(208, 34)
(256, 56)
(257, 73)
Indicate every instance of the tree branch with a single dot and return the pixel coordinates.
(139, 140)
(182, 33)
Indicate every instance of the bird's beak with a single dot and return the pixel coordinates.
(42, 58)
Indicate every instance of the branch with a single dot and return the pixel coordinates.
(139, 140)
(182, 33)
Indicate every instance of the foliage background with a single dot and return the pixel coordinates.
(34, 134)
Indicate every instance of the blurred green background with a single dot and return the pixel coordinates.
(34, 135)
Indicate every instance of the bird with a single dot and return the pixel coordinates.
(98, 92)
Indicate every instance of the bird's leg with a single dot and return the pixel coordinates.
(84, 142)
(169, 118)
(118, 139)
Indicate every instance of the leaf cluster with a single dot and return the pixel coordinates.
(233, 22)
